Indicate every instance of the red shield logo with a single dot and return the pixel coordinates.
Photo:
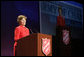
(46, 46)
(66, 38)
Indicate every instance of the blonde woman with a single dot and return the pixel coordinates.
(20, 31)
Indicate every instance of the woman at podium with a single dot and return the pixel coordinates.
(20, 31)
(60, 18)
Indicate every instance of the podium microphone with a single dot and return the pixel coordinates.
(31, 31)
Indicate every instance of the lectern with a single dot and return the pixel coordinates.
(63, 40)
(36, 44)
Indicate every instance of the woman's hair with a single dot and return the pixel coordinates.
(20, 17)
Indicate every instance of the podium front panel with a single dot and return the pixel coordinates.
(40, 37)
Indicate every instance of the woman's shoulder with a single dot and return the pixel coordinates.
(18, 27)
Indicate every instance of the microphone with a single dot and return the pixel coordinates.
(31, 31)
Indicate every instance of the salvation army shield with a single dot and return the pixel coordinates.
(46, 46)
(66, 38)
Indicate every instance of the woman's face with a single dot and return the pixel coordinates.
(23, 22)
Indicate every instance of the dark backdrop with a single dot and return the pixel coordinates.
(9, 12)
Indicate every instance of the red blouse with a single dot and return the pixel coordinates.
(20, 32)
(60, 21)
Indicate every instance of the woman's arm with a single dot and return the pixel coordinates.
(17, 33)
